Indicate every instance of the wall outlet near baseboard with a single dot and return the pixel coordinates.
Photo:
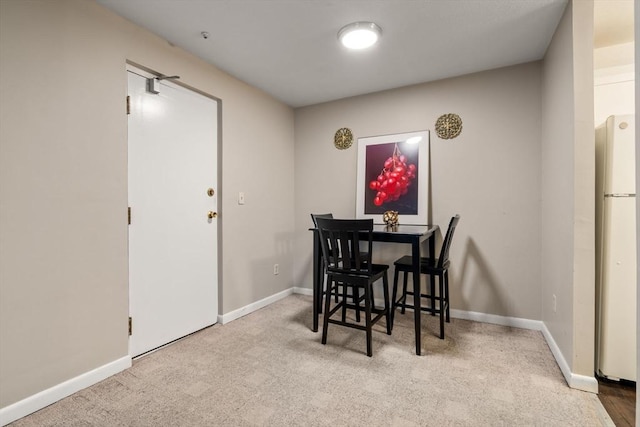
(276, 269)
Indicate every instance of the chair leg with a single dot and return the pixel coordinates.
(367, 315)
(433, 298)
(324, 292)
(394, 296)
(404, 291)
(344, 302)
(441, 304)
(387, 309)
(327, 306)
(326, 288)
(446, 293)
(355, 294)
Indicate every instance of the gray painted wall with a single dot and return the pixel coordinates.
(490, 175)
(568, 179)
(63, 186)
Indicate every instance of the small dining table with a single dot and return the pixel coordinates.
(415, 235)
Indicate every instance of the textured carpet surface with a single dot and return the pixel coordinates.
(269, 369)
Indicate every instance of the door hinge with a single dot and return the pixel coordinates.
(129, 215)
(128, 104)
(130, 326)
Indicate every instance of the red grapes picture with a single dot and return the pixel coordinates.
(391, 172)
(393, 175)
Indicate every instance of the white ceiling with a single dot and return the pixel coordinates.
(289, 48)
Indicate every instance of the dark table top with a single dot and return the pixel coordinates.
(405, 229)
(401, 233)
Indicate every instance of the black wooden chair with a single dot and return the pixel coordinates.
(433, 267)
(347, 269)
(314, 218)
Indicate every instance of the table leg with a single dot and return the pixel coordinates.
(317, 271)
(415, 253)
(432, 254)
(432, 245)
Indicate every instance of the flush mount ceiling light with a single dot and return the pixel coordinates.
(359, 35)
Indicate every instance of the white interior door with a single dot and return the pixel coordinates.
(173, 256)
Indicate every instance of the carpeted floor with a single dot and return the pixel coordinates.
(269, 369)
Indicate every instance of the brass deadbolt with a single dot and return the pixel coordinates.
(210, 192)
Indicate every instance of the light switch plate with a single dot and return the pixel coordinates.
(241, 198)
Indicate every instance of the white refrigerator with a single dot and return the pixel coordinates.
(616, 249)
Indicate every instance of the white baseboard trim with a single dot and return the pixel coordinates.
(303, 291)
(579, 382)
(51, 395)
(516, 322)
(243, 311)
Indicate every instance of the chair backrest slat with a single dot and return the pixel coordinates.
(355, 249)
(446, 243)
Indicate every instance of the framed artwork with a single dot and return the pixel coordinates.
(393, 174)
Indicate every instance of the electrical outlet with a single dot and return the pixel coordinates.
(553, 304)
(276, 269)
(241, 198)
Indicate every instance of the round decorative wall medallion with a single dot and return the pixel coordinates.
(343, 138)
(448, 126)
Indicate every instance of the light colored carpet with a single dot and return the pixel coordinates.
(269, 369)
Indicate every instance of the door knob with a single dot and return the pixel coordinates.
(212, 214)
